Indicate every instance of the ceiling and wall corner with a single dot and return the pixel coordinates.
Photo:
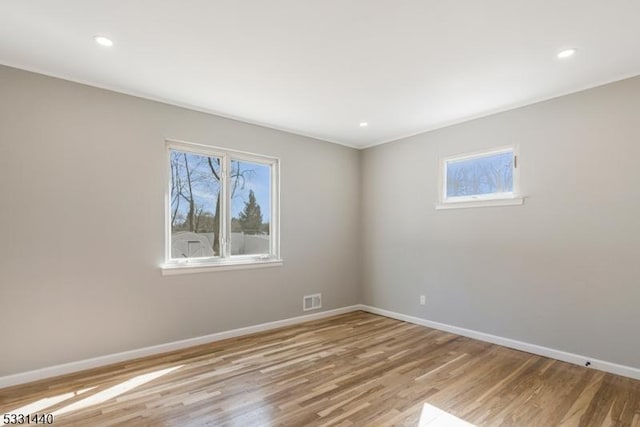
(322, 68)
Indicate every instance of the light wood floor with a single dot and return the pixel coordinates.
(355, 369)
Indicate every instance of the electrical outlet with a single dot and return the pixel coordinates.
(423, 299)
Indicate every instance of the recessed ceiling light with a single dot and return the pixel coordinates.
(566, 53)
(103, 41)
(364, 124)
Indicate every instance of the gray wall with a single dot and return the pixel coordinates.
(562, 271)
(82, 174)
(82, 184)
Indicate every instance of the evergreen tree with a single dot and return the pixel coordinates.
(250, 218)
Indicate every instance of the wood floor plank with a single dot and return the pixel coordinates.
(356, 369)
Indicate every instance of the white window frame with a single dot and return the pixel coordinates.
(225, 261)
(481, 200)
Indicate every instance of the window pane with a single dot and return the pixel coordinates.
(250, 189)
(195, 205)
(480, 175)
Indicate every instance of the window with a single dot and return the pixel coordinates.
(487, 178)
(221, 209)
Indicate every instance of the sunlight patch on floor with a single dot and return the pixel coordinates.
(45, 403)
(114, 391)
(436, 417)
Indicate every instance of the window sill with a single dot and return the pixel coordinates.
(174, 269)
(481, 203)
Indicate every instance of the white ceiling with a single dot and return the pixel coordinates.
(321, 67)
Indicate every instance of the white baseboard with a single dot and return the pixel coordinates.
(81, 365)
(576, 359)
(96, 362)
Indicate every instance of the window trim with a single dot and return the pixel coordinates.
(225, 261)
(482, 200)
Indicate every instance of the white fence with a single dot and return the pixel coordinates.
(187, 244)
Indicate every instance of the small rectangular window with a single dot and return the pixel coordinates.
(488, 176)
(222, 208)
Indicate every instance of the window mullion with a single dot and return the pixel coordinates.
(223, 219)
(226, 207)
(274, 221)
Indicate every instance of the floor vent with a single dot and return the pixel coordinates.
(311, 302)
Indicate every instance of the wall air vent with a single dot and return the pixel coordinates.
(311, 302)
